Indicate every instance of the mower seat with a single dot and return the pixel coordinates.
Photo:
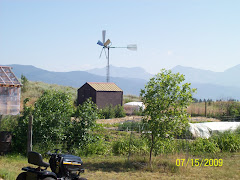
(36, 159)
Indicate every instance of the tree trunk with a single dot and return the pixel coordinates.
(152, 144)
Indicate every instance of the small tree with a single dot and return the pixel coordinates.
(24, 82)
(166, 99)
(52, 115)
(79, 134)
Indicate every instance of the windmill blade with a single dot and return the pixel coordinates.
(132, 47)
(107, 42)
(103, 36)
(101, 53)
(100, 43)
(105, 53)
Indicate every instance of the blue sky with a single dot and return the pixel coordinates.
(61, 35)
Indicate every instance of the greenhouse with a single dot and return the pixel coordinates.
(10, 91)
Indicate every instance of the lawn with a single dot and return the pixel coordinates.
(118, 167)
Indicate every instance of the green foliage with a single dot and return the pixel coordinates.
(107, 112)
(136, 145)
(204, 146)
(24, 82)
(79, 133)
(20, 131)
(8, 123)
(97, 147)
(228, 141)
(139, 112)
(34, 90)
(112, 112)
(51, 119)
(52, 114)
(166, 98)
(119, 111)
(130, 126)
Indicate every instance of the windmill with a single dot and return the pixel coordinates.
(107, 45)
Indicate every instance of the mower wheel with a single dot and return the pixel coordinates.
(22, 176)
(48, 178)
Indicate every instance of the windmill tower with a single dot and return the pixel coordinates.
(107, 45)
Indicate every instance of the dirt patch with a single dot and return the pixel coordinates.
(120, 120)
(139, 118)
(203, 119)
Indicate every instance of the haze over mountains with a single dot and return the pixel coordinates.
(209, 84)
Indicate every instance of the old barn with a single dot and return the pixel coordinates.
(10, 91)
(103, 94)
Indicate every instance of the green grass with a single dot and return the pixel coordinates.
(35, 89)
(118, 167)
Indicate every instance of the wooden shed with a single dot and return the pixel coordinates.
(10, 91)
(103, 94)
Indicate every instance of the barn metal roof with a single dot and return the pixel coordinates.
(101, 86)
(7, 78)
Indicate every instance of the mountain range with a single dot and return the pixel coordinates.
(209, 84)
(76, 78)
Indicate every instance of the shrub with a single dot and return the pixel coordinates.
(201, 145)
(107, 112)
(112, 112)
(97, 147)
(51, 119)
(227, 141)
(136, 145)
(8, 123)
(78, 133)
(52, 114)
(119, 111)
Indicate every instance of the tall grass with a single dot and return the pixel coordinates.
(215, 109)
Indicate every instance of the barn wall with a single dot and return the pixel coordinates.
(85, 92)
(105, 98)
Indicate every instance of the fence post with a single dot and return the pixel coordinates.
(205, 108)
(29, 137)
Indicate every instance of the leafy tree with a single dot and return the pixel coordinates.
(119, 111)
(166, 98)
(85, 120)
(20, 131)
(52, 115)
(24, 82)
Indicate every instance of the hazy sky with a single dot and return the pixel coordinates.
(61, 35)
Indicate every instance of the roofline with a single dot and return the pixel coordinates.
(10, 85)
(6, 66)
(101, 82)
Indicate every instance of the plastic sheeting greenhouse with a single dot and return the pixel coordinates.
(10, 91)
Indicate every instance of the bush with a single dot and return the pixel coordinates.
(8, 123)
(112, 112)
(107, 112)
(227, 141)
(52, 114)
(204, 146)
(137, 146)
(78, 133)
(51, 118)
(119, 111)
(97, 147)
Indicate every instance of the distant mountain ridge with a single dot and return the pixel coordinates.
(76, 78)
(125, 72)
(209, 84)
(227, 78)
